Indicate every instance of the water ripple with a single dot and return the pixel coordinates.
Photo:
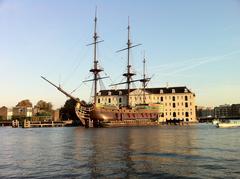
(141, 152)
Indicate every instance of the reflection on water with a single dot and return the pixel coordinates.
(200, 151)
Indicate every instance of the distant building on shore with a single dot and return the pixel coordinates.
(235, 110)
(5, 113)
(22, 111)
(227, 111)
(56, 115)
(205, 112)
(178, 102)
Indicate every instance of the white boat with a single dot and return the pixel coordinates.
(229, 124)
(215, 122)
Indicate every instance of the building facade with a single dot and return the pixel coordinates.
(3, 113)
(22, 111)
(6, 113)
(178, 102)
(56, 115)
(227, 110)
(235, 110)
(205, 112)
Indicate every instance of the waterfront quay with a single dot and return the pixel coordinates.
(4, 123)
(31, 124)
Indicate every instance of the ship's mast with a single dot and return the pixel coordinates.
(128, 74)
(61, 90)
(95, 70)
(144, 79)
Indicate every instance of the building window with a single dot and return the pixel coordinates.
(161, 98)
(120, 92)
(98, 100)
(186, 98)
(186, 105)
(109, 93)
(169, 104)
(174, 114)
(120, 100)
(109, 100)
(173, 90)
(161, 91)
(173, 98)
(186, 114)
(165, 104)
(174, 105)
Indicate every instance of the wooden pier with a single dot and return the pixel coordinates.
(31, 124)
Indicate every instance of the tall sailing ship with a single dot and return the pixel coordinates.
(95, 115)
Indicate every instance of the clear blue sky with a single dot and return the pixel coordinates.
(192, 43)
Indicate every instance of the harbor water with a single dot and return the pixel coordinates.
(197, 151)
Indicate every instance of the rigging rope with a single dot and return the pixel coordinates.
(76, 64)
(101, 84)
(91, 94)
(76, 88)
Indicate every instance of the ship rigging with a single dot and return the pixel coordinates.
(103, 116)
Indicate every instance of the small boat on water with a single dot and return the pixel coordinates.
(215, 121)
(229, 124)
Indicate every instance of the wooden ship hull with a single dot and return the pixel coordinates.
(122, 117)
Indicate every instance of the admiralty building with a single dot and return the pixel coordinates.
(177, 102)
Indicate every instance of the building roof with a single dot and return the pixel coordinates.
(114, 92)
(165, 90)
(3, 107)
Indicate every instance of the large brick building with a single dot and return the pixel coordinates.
(178, 102)
(22, 111)
(227, 110)
(5, 113)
